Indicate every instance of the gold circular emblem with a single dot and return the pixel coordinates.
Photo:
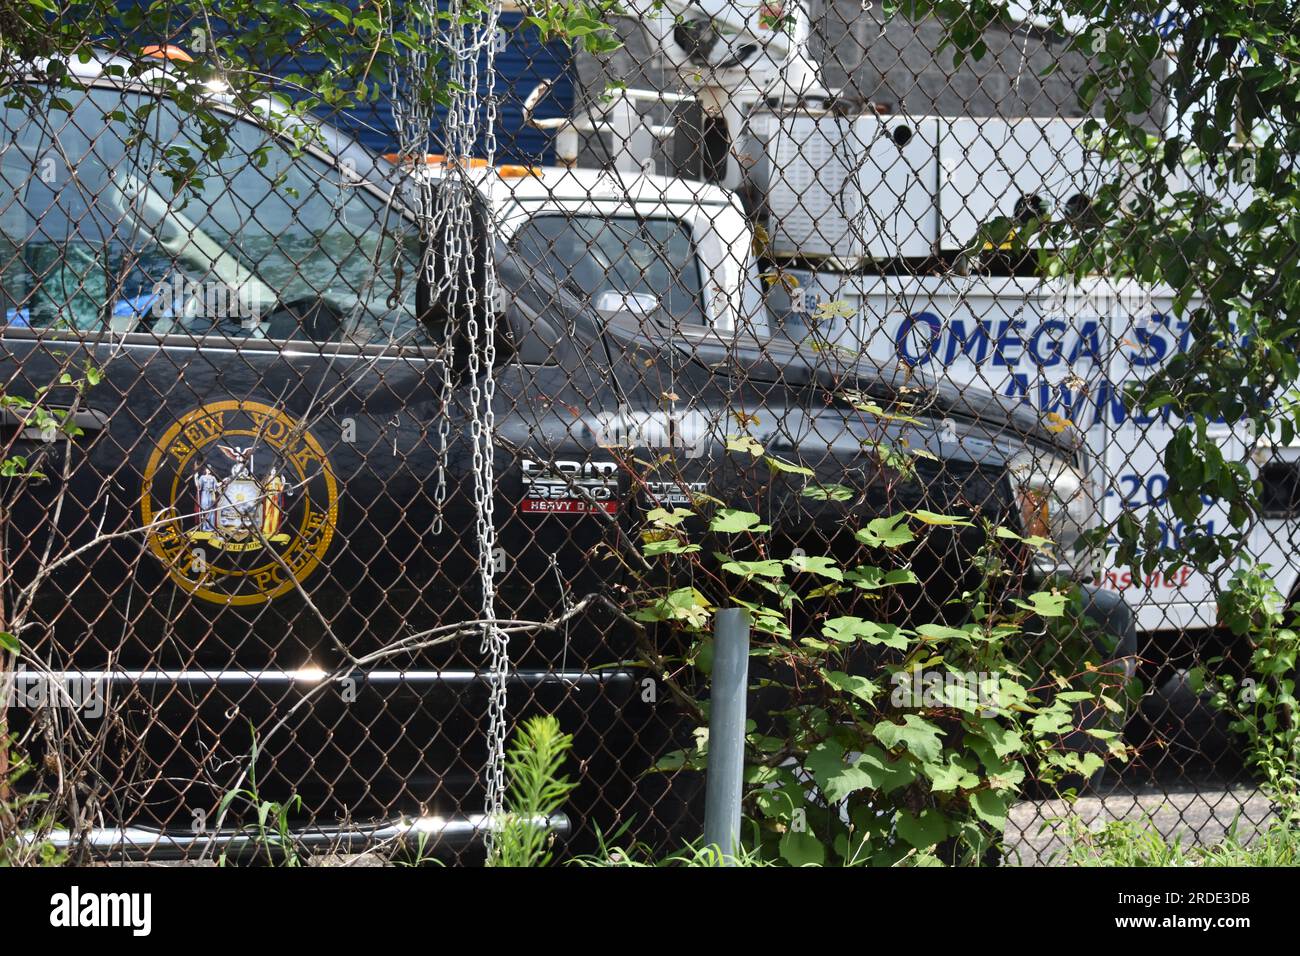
(243, 502)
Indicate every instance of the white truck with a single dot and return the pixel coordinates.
(1068, 353)
(875, 212)
(868, 212)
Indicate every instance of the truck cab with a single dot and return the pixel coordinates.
(626, 241)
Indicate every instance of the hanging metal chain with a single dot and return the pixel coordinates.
(469, 45)
(446, 213)
(495, 644)
(412, 79)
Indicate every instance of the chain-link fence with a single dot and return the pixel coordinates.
(342, 433)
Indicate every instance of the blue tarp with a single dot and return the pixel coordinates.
(521, 65)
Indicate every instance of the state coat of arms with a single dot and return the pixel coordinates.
(243, 501)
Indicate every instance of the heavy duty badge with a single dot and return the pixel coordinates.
(570, 487)
(243, 500)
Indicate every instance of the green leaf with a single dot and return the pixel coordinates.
(744, 443)
(1053, 720)
(835, 776)
(684, 604)
(810, 564)
(13, 467)
(952, 774)
(917, 735)
(942, 632)
(890, 532)
(1006, 778)
(848, 629)
(991, 806)
(731, 521)
(854, 684)
(929, 517)
(1033, 540)
(1074, 696)
(924, 831)
(668, 546)
(800, 848)
(777, 465)
(839, 776)
(763, 618)
(886, 774)
(963, 694)
(828, 492)
(10, 643)
(1001, 741)
(672, 518)
(864, 403)
(872, 578)
(770, 568)
(1045, 603)
(1101, 734)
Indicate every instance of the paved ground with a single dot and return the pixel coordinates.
(1201, 815)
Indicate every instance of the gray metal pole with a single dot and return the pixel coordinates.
(726, 765)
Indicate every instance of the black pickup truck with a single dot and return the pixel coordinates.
(274, 480)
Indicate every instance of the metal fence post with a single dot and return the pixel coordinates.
(726, 764)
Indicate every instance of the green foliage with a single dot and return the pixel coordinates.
(1130, 843)
(585, 23)
(270, 831)
(535, 793)
(48, 424)
(229, 46)
(24, 817)
(1261, 703)
(886, 740)
(638, 856)
(230, 42)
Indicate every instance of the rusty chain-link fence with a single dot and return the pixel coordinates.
(335, 450)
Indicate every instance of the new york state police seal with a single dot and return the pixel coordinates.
(243, 502)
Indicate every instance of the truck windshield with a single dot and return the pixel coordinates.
(621, 264)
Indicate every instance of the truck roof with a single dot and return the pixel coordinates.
(574, 184)
(562, 183)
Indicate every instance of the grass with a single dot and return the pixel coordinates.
(693, 855)
(1139, 843)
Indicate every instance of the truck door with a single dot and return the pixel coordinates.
(245, 501)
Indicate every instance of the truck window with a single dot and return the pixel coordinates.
(621, 264)
(101, 226)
